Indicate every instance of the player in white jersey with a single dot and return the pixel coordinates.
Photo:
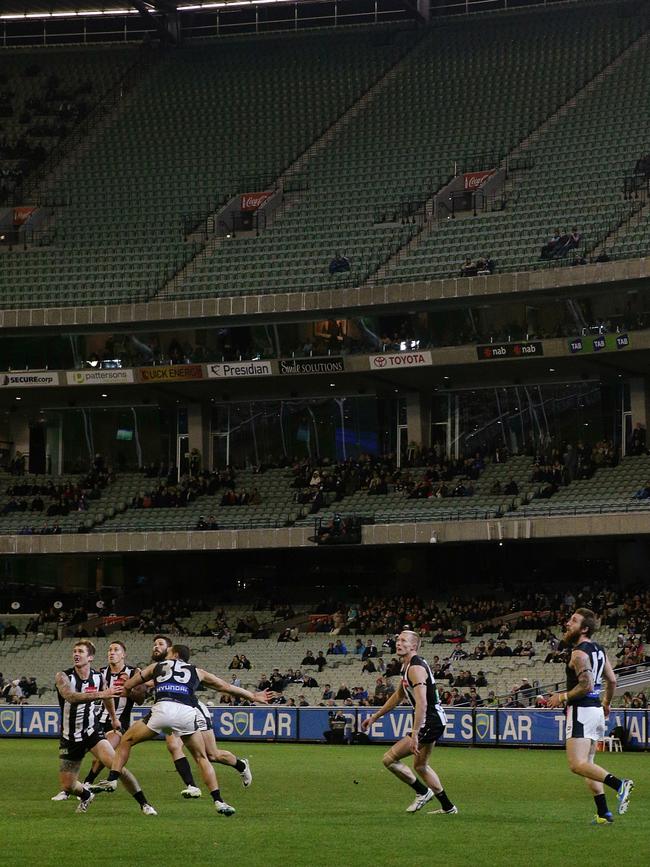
(418, 687)
(79, 688)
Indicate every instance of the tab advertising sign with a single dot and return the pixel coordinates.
(599, 343)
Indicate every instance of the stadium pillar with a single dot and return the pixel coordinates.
(418, 419)
(424, 9)
(198, 430)
(639, 399)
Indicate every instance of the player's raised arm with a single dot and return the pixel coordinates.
(67, 693)
(209, 679)
(138, 678)
(581, 664)
(386, 707)
(610, 685)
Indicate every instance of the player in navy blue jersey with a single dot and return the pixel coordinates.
(418, 687)
(175, 711)
(590, 686)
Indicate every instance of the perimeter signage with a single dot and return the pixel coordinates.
(393, 360)
(304, 366)
(493, 351)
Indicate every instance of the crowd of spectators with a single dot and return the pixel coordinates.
(481, 266)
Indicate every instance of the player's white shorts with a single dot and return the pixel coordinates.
(585, 722)
(173, 718)
(204, 717)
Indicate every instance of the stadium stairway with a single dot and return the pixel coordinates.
(561, 161)
(291, 173)
(41, 184)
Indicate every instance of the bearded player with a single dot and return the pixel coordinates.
(587, 705)
(418, 686)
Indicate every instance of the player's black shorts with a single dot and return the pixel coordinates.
(431, 731)
(107, 727)
(74, 751)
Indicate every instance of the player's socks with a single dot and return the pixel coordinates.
(601, 805)
(113, 776)
(444, 801)
(419, 787)
(216, 794)
(240, 766)
(613, 782)
(85, 794)
(140, 798)
(184, 771)
(91, 776)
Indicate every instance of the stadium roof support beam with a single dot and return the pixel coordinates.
(166, 21)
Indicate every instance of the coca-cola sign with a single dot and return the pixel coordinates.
(475, 180)
(253, 201)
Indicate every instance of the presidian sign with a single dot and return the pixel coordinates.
(236, 369)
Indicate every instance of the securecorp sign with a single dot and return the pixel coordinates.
(29, 379)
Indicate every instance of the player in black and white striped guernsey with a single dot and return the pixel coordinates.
(114, 674)
(418, 687)
(80, 688)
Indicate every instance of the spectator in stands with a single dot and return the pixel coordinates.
(343, 693)
(512, 488)
(235, 662)
(339, 648)
(339, 264)
(302, 701)
(369, 666)
(551, 245)
(309, 659)
(468, 268)
(383, 691)
(309, 681)
(328, 693)
(638, 439)
(370, 650)
(321, 661)
(245, 662)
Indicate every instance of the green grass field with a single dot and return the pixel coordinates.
(304, 808)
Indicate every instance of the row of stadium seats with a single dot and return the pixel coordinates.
(208, 122)
(212, 121)
(611, 489)
(448, 91)
(502, 673)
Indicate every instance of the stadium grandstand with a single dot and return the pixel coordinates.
(321, 320)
